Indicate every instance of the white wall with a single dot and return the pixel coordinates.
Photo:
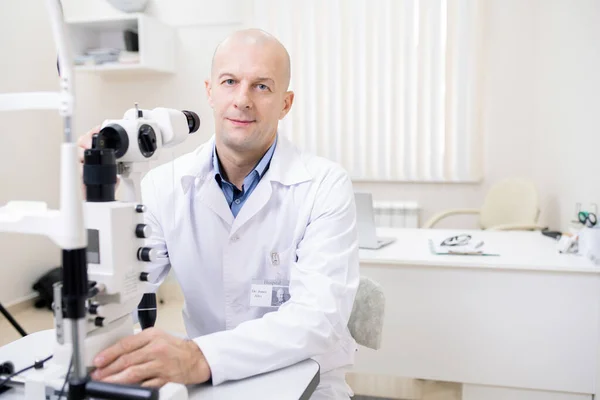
(507, 121)
(29, 141)
(567, 106)
(540, 106)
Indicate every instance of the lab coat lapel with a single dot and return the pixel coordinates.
(255, 202)
(287, 167)
(211, 196)
(200, 180)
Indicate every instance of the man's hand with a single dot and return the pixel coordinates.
(152, 358)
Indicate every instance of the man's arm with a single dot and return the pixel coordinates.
(323, 284)
(157, 271)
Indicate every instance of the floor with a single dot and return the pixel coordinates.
(169, 318)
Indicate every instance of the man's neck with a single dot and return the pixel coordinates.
(236, 166)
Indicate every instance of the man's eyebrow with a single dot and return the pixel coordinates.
(226, 74)
(260, 79)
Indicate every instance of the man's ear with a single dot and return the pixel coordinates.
(208, 88)
(287, 105)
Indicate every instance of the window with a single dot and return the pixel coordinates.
(387, 88)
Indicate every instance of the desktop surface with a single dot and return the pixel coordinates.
(527, 250)
(297, 381)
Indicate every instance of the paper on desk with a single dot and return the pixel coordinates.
(474, 248)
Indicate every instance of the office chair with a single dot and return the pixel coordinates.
(366, 318)
(511, 204)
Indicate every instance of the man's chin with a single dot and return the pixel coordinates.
(238, 141)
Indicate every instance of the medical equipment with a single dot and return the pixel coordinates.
(92, 314)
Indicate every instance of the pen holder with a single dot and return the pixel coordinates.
(589, 244)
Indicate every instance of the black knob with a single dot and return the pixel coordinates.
(140, 208)
(143, 231)
(7, 368)
(145, 254)
(147, 310)
(93, 308)
(99, 321)
(147, 140)
(144, 277)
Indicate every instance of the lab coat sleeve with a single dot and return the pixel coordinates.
(159, 269)
(323, 285)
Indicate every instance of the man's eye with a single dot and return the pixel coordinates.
(260, 86)
(229, 81)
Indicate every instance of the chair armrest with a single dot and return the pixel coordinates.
(456, 211)
(516, 227)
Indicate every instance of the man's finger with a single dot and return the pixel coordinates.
(85, 141)
(125, 361)
(136, 374)
(123, 346)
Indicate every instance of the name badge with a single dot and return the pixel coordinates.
(269, 293)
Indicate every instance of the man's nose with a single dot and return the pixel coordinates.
(243, 100)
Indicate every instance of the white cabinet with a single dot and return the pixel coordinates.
(99, 44)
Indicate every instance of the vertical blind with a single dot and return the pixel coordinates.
(387, 88)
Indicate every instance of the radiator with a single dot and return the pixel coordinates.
(396, 214)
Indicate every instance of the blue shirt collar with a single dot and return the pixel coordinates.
(260, 168)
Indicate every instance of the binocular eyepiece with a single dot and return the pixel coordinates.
(192, 119)
(117, 140)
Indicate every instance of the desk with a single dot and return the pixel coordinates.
(295, 382)
(521, 326)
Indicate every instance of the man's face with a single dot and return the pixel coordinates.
(280, 295)
(248, 94)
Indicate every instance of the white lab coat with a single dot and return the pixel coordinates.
(302, 209)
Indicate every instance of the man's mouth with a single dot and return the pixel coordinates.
(240, 122)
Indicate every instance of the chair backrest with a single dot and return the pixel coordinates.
(511, 201)
(366, 319)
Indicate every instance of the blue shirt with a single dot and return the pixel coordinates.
(235, 197)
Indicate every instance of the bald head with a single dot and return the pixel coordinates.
(257, 40)
(248, 91)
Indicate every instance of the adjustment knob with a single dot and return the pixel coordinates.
(147, 140)
(146, 254)
(93, 308)
(143, 231)
(140, 208)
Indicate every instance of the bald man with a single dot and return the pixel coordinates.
(248, 212)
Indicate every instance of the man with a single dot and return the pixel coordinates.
(248, 211)
(279, 300)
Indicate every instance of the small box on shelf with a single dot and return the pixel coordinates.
(128, 43)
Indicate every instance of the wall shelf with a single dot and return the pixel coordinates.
(155, 41)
